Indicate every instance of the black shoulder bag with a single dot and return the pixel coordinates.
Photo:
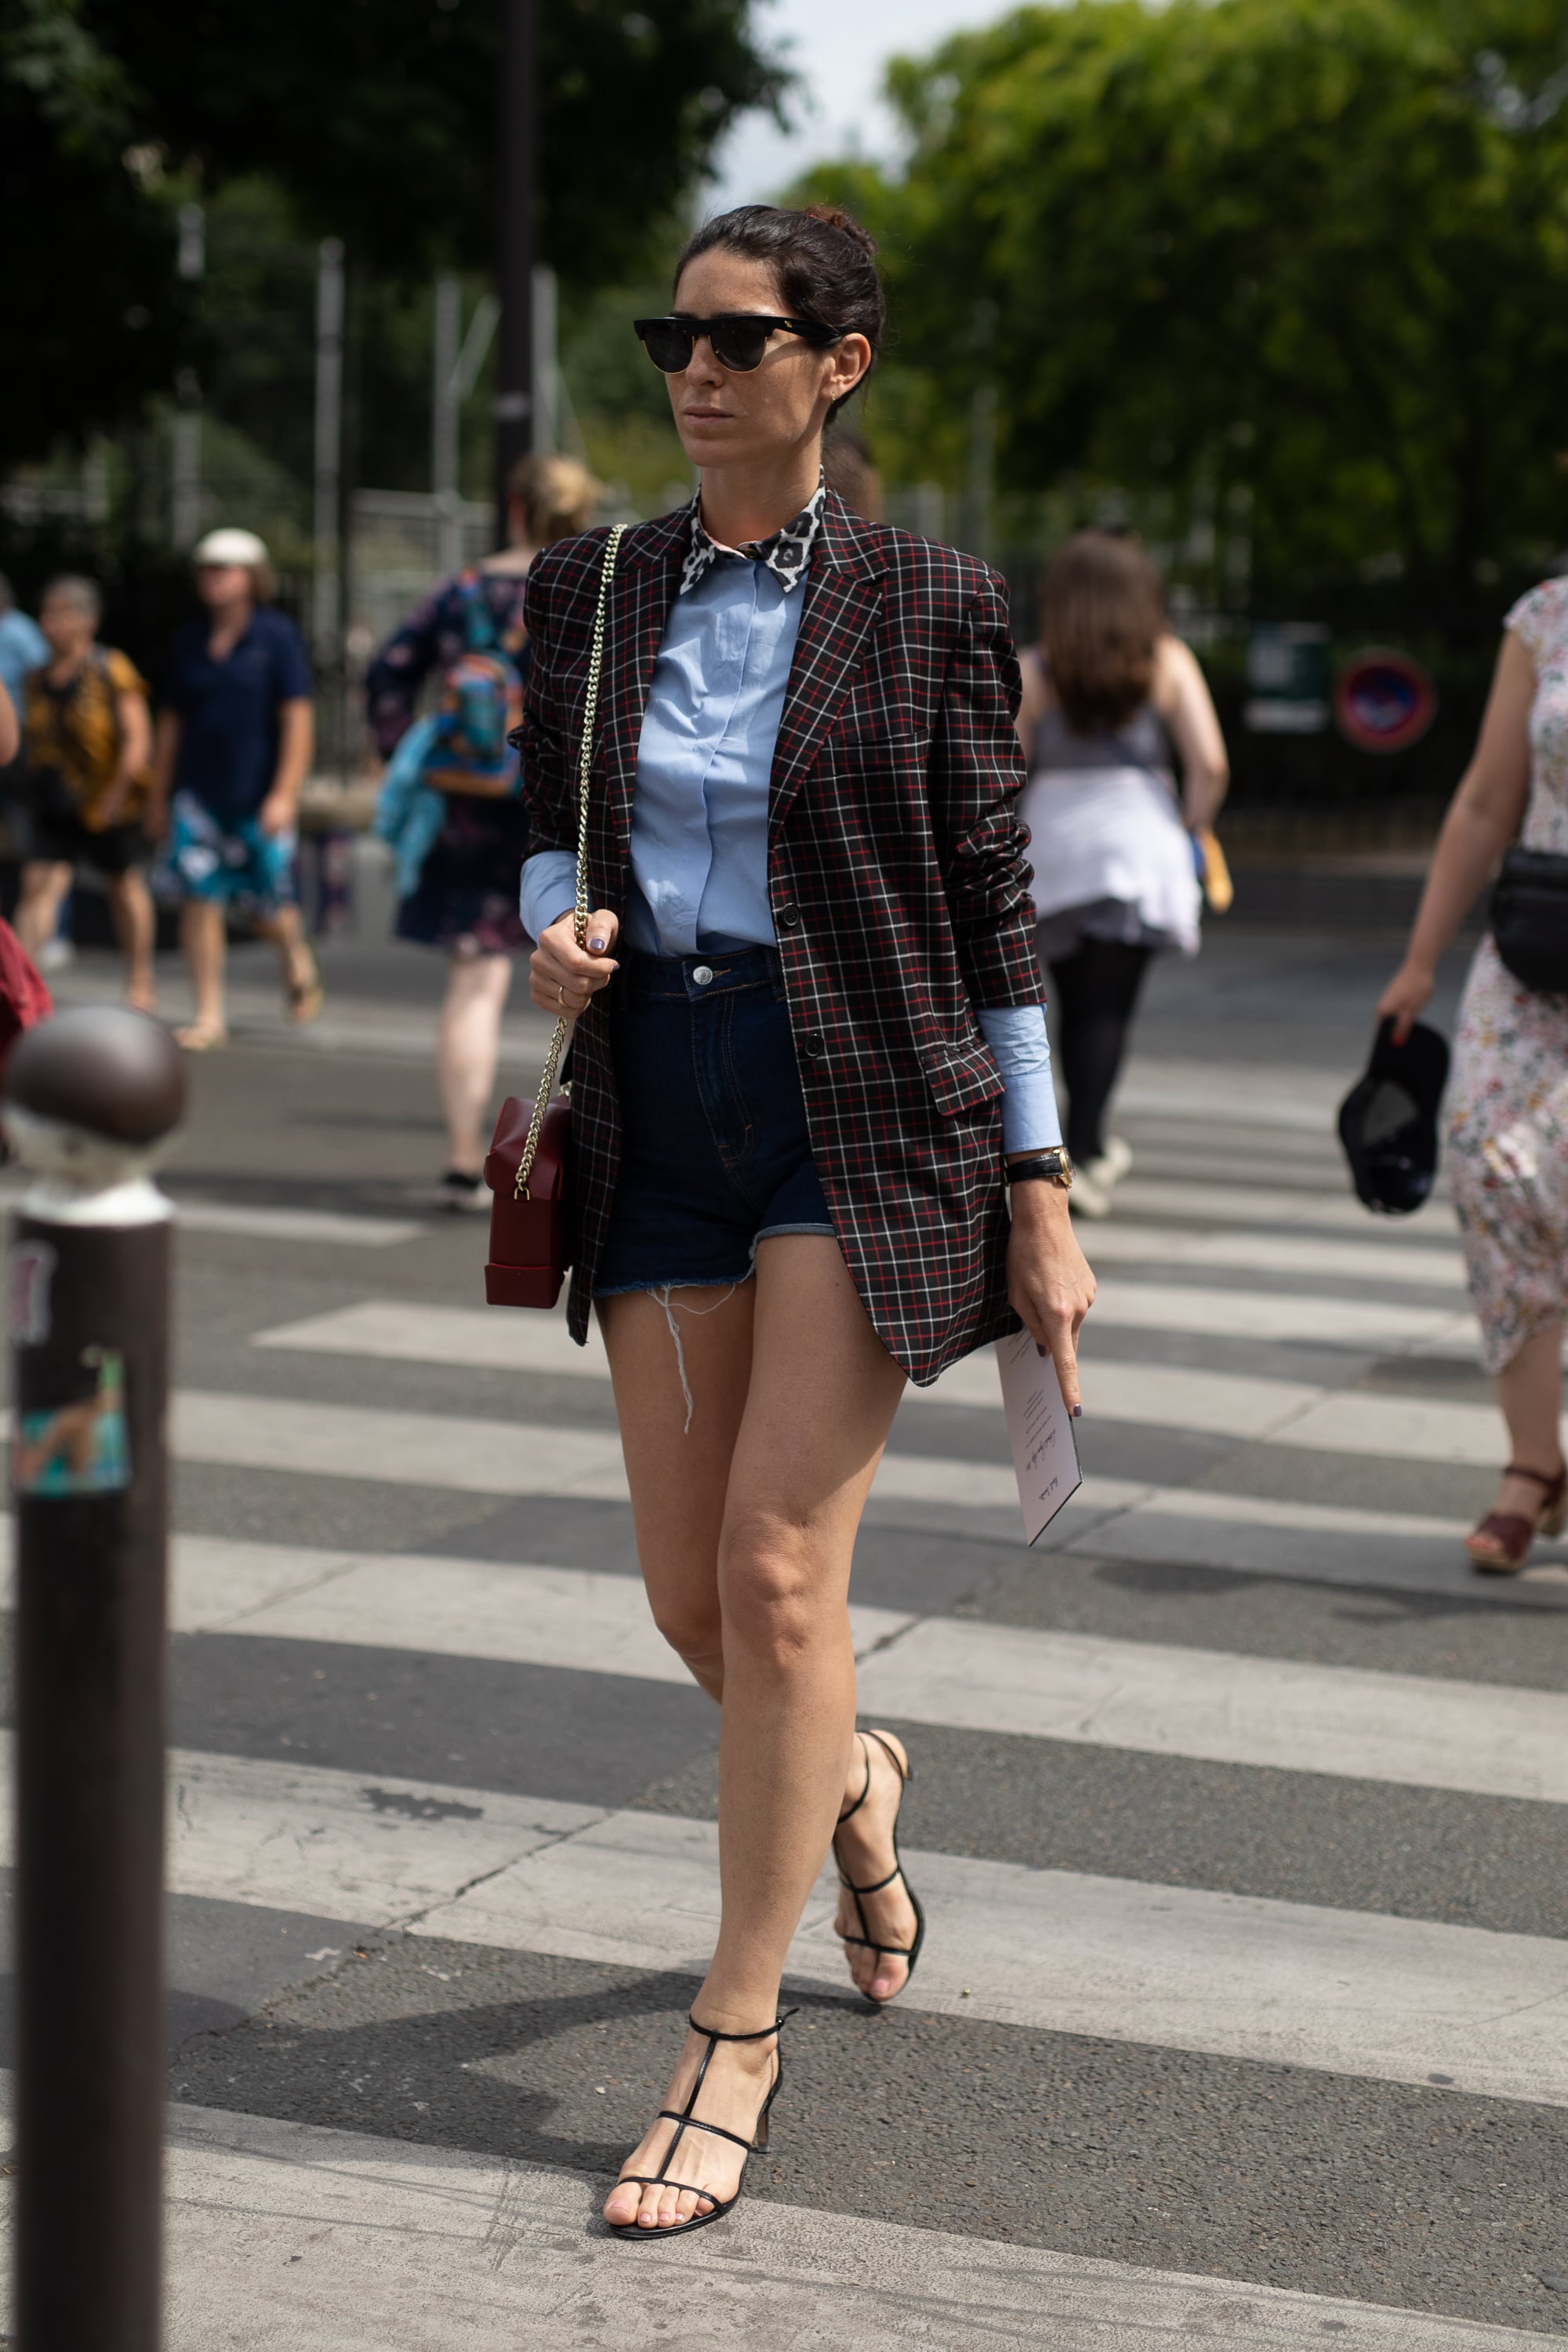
(1530, 917)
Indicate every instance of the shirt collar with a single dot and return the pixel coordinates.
(787, 552)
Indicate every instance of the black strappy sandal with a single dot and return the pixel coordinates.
(865, 1940)
(686, 2121)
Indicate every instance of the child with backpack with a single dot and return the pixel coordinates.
(86, 745)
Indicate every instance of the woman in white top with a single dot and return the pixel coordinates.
(1108, 694)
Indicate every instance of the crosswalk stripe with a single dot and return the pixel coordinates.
(523, 1457)
(1226, 1204)
(1122, 1242)
(1061, 1951)
(1288, 1412)
(262, 1224)
(1420, 1731)
(291, 2222)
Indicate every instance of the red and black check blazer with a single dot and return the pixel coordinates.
(897, 877)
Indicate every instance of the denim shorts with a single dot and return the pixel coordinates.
(715, 1152)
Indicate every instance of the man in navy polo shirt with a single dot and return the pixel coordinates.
(233, 750)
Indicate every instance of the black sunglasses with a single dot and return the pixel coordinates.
(739, 339)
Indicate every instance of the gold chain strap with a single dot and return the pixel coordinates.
(580, 911)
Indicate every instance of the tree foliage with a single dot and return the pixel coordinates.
(1312, 254)
(92, 319)
(380, 116)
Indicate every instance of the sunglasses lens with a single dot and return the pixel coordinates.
(739, 345)
(669, 346)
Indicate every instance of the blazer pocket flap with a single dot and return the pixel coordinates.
(961, 1075)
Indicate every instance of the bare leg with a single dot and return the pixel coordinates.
(301, 975)
(467, 1043)
(201, 937)
(818, 1403)
(131, 905)
(1530, 1390)
(44, 886)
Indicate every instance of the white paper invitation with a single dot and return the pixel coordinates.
(1041, 1430)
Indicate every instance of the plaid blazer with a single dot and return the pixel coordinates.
(897, 877)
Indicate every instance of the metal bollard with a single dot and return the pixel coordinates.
(92, 1099)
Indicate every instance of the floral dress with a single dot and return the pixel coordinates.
(465, 898)
(1508, 1113)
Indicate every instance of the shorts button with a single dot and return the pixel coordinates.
(703, 974)
(812, 1043)
(789, 915)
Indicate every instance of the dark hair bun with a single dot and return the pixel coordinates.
(834, 216)
(824, 262)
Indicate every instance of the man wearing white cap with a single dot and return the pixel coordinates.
(233, 750)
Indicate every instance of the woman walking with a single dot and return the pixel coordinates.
(231, 754)
(462, 879)
(1507, 1103)
(1107, 694)
(809, 1050)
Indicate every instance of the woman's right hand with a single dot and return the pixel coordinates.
(563, 977)
(1406, 997)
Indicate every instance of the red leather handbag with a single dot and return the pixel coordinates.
(530, 1162)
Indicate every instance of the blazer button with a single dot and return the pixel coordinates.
(811, 1044)
(789, 915)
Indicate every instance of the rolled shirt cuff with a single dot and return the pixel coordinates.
(549, 889)
(1018, 1037)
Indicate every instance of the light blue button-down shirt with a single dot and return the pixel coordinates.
(700, 813)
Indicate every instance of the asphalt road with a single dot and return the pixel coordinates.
(439, 1802)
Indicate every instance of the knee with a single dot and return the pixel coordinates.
(693, 1631)
(770, 1593)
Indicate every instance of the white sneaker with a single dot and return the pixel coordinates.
(1114, 1163)
(1086, 1196)
(462, 1195)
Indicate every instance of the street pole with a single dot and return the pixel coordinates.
(517, 177)
(446, 417)
(92, 1097)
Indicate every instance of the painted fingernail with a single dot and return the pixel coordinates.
(1078, 1412)
(597, 947)
(1039, 1350)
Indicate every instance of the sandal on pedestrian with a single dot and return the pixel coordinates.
(865, 1940)
(198, 1037)
(684, 2121)
(1500, 1545)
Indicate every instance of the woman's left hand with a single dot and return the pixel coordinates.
(1049, 1279)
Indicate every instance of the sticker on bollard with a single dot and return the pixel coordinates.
(82, 1447)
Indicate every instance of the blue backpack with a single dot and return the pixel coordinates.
(481, 704)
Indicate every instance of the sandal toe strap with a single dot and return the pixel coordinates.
(695, 2122)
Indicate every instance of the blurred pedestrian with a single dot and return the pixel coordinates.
(1507, 1102)
(1109, 694)
(87, 741)
(460, 837)
(232, 748)
(10, 733)
(22, 647)
(809, 1062)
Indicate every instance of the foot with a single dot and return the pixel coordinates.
(1086, 1196)
(201, 1038)
(1516, 1497)
(863, 1846)
(303, 994)
(739, 2076)
(1112, 1164)
(461, 1193)
(141, 995)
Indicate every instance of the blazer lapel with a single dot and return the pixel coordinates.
(646, 577)
(843, 594)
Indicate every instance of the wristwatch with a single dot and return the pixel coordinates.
(1048, 1167)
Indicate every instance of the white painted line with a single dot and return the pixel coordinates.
(295, 1224)
(1175, 1967)
(572, 1618)
(1122, 1242)
(1223, 1404)
(1420, 1731)
(1161, 1700)
(1278, 1316)
(328, 2239)
(1224, 1204)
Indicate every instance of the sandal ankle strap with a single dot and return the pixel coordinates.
(1523, 1470)
(762, 2034)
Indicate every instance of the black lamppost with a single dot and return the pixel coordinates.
(517, 178)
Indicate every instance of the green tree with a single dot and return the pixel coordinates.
(1311, 254)
(92, 319)
(379, 116)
